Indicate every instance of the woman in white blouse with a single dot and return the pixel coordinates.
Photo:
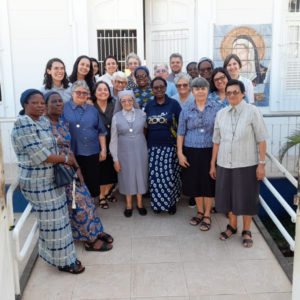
(128, 148)
(239, 150)
(233, 64)
(110, 66)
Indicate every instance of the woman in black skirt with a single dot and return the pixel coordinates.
(239, 149)
(104, 103)
(194, 149)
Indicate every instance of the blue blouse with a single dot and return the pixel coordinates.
(85, 126)
(189, 99)
(198, 127)
(171, 89)
(214, 96)
(162, 120)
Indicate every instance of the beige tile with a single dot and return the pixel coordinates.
(260, 276)
(156, 225)
(212, 278)
(260, 249)
(271, 296)
(117, 226)
(161, 298)
(119, 254)
(222, 297)
(204, 246)
(155, 249)
(158, 280)
(42, 280)
(103, 282)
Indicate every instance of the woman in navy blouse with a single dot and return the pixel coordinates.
(88, 133)
(162, 117)
(194, 144)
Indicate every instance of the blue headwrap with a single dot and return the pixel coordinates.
(48, 94)
(202, 59)
(142, 68)
(24, 97)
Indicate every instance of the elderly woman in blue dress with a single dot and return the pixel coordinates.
(239, 150)
(86, 225)
(194, 148)
(88, 132)
(36, 150)
(128, 148)
(162, 118)
(182, 83)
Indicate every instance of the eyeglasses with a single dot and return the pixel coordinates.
(157, 88)
(183, 85)
(79, 93)
(161, 71)
(121, 82)
(126, 101)
(202, 70)
(141, 76)
(234, 93)
(219, 78)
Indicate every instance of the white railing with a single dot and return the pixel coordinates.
(281, 200)
(15, 229)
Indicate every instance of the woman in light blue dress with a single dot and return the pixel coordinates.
(35, 147)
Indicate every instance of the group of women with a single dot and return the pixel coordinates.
(198, 136)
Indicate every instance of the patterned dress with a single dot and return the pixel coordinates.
(84, 221)
(142, 96)
(33, 142)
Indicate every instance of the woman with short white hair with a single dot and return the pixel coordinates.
(184, 95)
(162, 70)
(119, 82)
(132, 62)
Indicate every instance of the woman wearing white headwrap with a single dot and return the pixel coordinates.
(128, 148)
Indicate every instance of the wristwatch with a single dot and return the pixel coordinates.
(262, 162)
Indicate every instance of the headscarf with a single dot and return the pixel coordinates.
(118, 106)
(24, 97)
(142, 68)
(48, 94)
(202, 59)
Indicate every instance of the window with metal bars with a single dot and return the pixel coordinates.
(117, 42)
(294, 5)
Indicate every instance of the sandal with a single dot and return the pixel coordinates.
(204, 226)
(111, 198)
(247, 243)
(195, 220)
(75, 268)
(104, 247)
(224, 236)
(103, 203)
(105, 237)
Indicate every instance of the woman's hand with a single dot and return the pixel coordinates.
(260, 172)
(183, 161)
(102, 155)
(90, 102)
(80, 176)
(213, 172)
(117, 166)
(71, 159)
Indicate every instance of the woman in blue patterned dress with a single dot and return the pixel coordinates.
(86, 226)
(35, 147)
(162, 118)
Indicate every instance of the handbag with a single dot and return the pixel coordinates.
(63, 176)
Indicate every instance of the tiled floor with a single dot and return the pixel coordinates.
(162, 257)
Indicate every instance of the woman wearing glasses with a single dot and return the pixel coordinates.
(205, 68)
(132, 62)
(184, 95)
(162, 118)
(88, 133)
(219, 79)
(239, 151)
(129, 151)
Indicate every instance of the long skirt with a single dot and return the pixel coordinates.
(165, 183)
(237, 191)
(196, 181)
(107, 174)
(89, 166)
(56, 245)
(84, 221)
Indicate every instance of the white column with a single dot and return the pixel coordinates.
(79, 23)
(296, 266)
(8, 104)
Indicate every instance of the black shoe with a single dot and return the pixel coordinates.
(172, 210)
(142, 211)
(128, 213)
(192, 203)
(157, 211)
